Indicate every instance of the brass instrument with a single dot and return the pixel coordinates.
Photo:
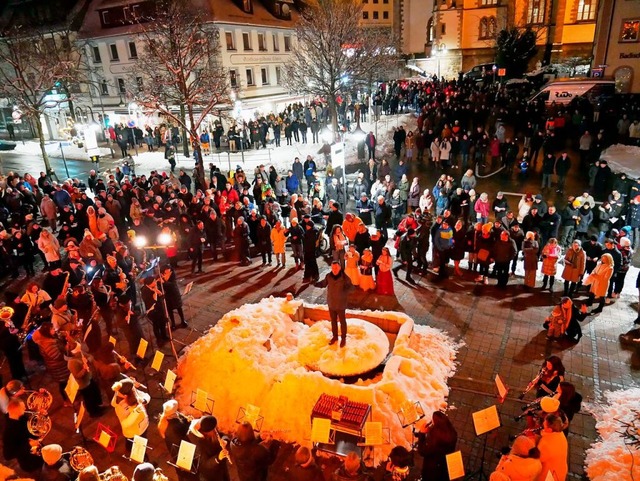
(39, 401)
(224, 453)
(113, 474)
(125, 362)
(158, 475)
(6, 313)
(39, 425)
(65, 286)
(79, 458)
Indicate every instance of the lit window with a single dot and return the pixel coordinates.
(586, 10)
(229, 39)
(492, 27)
(488, 2)
(535, 11)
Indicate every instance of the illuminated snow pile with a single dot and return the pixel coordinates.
(609, 458)
(259, 355)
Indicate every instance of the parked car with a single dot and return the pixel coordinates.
(7, 145)
(478, 72)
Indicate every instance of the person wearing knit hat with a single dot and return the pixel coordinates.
(202, 432)
(549, 404)
(521, 463)
(51, 454)
(56, 467)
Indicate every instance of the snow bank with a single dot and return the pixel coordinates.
(623, 158)
(609, 458)
(252, 356)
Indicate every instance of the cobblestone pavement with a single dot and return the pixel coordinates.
(501, 330)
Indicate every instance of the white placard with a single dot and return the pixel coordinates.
(373, 433)
(201, 400)
(320, 430)
(486, 420)
(158, 357)
(71, 390)
(502, 389)
(185, 455)
(138, 449)
(142, 348)
(104, 439)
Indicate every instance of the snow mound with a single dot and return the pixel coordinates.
(623, 159)
(367, 346)
(253, 357)
(609, 458)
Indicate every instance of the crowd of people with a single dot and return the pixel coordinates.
(97, 239)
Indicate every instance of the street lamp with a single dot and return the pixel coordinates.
(133, 108)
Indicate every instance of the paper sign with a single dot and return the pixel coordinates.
(104, 439)
(142, 348)
(138, 449)
(71, 390)
(373, 433)
(455, 465)
(410, 413)
(169, 380)
(251, 414)
(320, 430)
(80, 416)
(157, 360)
(112, 340)
(201, 400)
(502, 389)
(185, 455)
(486, 420)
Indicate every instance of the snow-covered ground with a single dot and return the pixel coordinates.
(252, 356)
(610, 459)
(623, 158)
(280, 157)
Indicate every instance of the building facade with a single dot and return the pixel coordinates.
(462, 33)
(616, 50)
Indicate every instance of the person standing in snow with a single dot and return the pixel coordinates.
(338, 286)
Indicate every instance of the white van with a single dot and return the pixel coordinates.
(564, 91)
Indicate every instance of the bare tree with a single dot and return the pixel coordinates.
(333, 52)
(179, 69)
(34, 63)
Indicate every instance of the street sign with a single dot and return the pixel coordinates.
(131, 124)
(502, 72)
(17, 121)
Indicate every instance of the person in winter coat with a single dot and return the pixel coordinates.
(482, 208)
(49, 211)
(89, 248)
(598, 281)
(52, 351)
(251, 456)
(550, 254)
(435, 441)
(574, 266)
(530, 250)
(130, 405)
(50, 247)
(305, 468)
(504, 250)
(172, 297)
(351, 469)
(458, 249)
(263, 240)
(426, 202)
(413, 196)
(338, 286)
(553, 449)
(278, 240)
(521, 464)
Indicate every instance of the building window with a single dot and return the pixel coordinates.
(246, 40)
(96, 55)
(287, 43)
(262, 42)
(121, 88)
(104, 88)
(630, 31)
(430, 31)
(133, 51)
(492, 30)
(233, 79)
(249, 73)
(443, 29)
(386, 2)
(104, 16)
(365, 15)
(276, 43)
(375, 15)
(278, 75)
(385, 15)
(586, 10)
(113, 50)
(365, 1)
(139, 83)
(229, 40)
(488, 2)
(535, 11)
(264, 74)
(484, 28)
(375, 1)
